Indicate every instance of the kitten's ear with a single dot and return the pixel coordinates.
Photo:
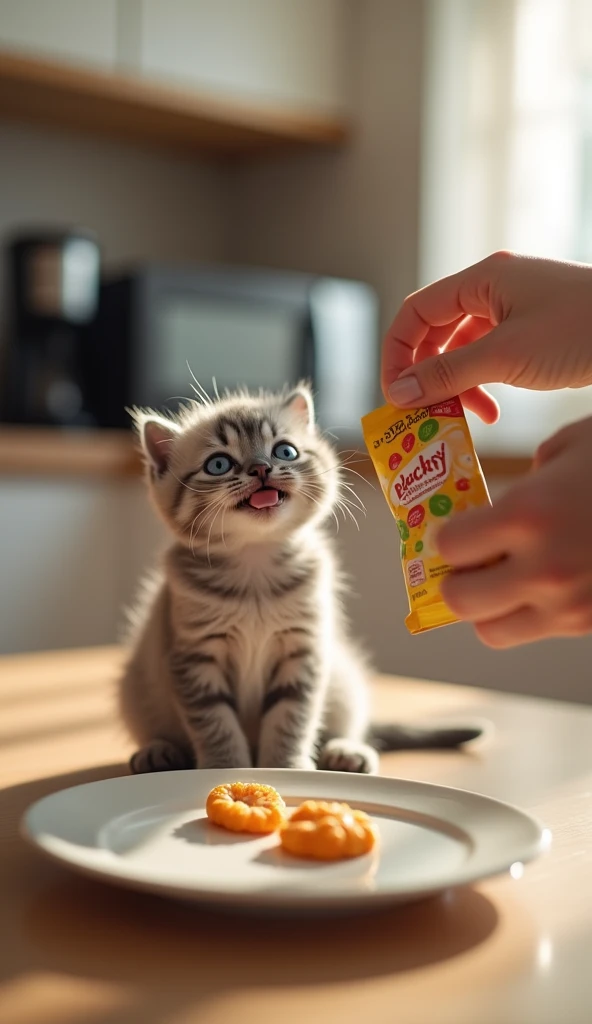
(157, 435)
(299, 402)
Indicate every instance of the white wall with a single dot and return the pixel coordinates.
(354, 213)
(142, 204)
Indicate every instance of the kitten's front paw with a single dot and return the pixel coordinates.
(344, 755)
(160, 756)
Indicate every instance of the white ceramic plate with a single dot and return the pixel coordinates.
(150, 832)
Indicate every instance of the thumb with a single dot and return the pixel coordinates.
(451, 373)
(556, 444)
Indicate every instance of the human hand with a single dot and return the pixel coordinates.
(538, 544)
(509, 319)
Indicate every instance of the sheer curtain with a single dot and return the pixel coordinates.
(507, 160)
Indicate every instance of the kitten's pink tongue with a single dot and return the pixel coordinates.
(264, 498)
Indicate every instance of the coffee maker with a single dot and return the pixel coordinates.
(53, 283)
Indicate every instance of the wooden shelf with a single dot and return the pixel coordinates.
(37, 452)
(136, 110)
(29, 452)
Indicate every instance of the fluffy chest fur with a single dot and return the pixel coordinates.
(253, 611)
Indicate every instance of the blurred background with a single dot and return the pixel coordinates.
(252, 187)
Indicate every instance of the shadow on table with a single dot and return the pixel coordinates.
(61, 923)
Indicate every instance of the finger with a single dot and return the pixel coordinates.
(477, 595)
(556, 444)
(478, 400)
(523, 626)
(455, 335)
(452, 373)
(484, 405)
(439, 304)
(470, 329)
(475, 537)
(436, 339)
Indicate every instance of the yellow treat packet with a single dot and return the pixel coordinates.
(428, 470)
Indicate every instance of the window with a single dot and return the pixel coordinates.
(507, 160)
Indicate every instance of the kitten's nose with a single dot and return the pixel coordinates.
(260, 468)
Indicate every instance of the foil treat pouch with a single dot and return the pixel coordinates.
(428, 470)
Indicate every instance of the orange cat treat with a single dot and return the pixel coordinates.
(326, 830)
(246, 807)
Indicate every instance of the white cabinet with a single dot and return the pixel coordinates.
(291, 52)
(288, 54)
(83, 31)
(70, 556)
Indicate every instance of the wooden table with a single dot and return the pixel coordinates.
(511, 951)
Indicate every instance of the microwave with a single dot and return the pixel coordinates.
(157, 327)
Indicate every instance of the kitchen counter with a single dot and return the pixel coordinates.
(31, 451)
(512, 950)
(42, 452)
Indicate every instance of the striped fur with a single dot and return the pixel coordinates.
(239, 654)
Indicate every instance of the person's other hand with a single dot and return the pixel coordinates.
(508, 319)
(538, 541)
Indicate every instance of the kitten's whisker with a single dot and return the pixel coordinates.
(359, 501)
(215, 387)
(307, 494)
(181, 398)
(346, 469)
(340, 507)
(354, 462)
(311, 494)
(345, 508)
(199, 389)
(210, 533)
(353, 505)
(194, 525)
(195, 490)
(211, 505)
(345, 486)
(219, 500)
(224, 511)
(213, 511)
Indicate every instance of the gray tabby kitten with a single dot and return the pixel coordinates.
(240, 655)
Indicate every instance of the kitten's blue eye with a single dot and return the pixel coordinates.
(286, 452)
(218, 465)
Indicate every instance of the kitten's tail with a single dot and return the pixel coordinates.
(385, 736)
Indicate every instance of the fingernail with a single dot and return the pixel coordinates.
(405, 391)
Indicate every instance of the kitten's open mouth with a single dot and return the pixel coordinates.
(264, 498)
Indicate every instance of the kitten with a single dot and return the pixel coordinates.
(240, 655)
